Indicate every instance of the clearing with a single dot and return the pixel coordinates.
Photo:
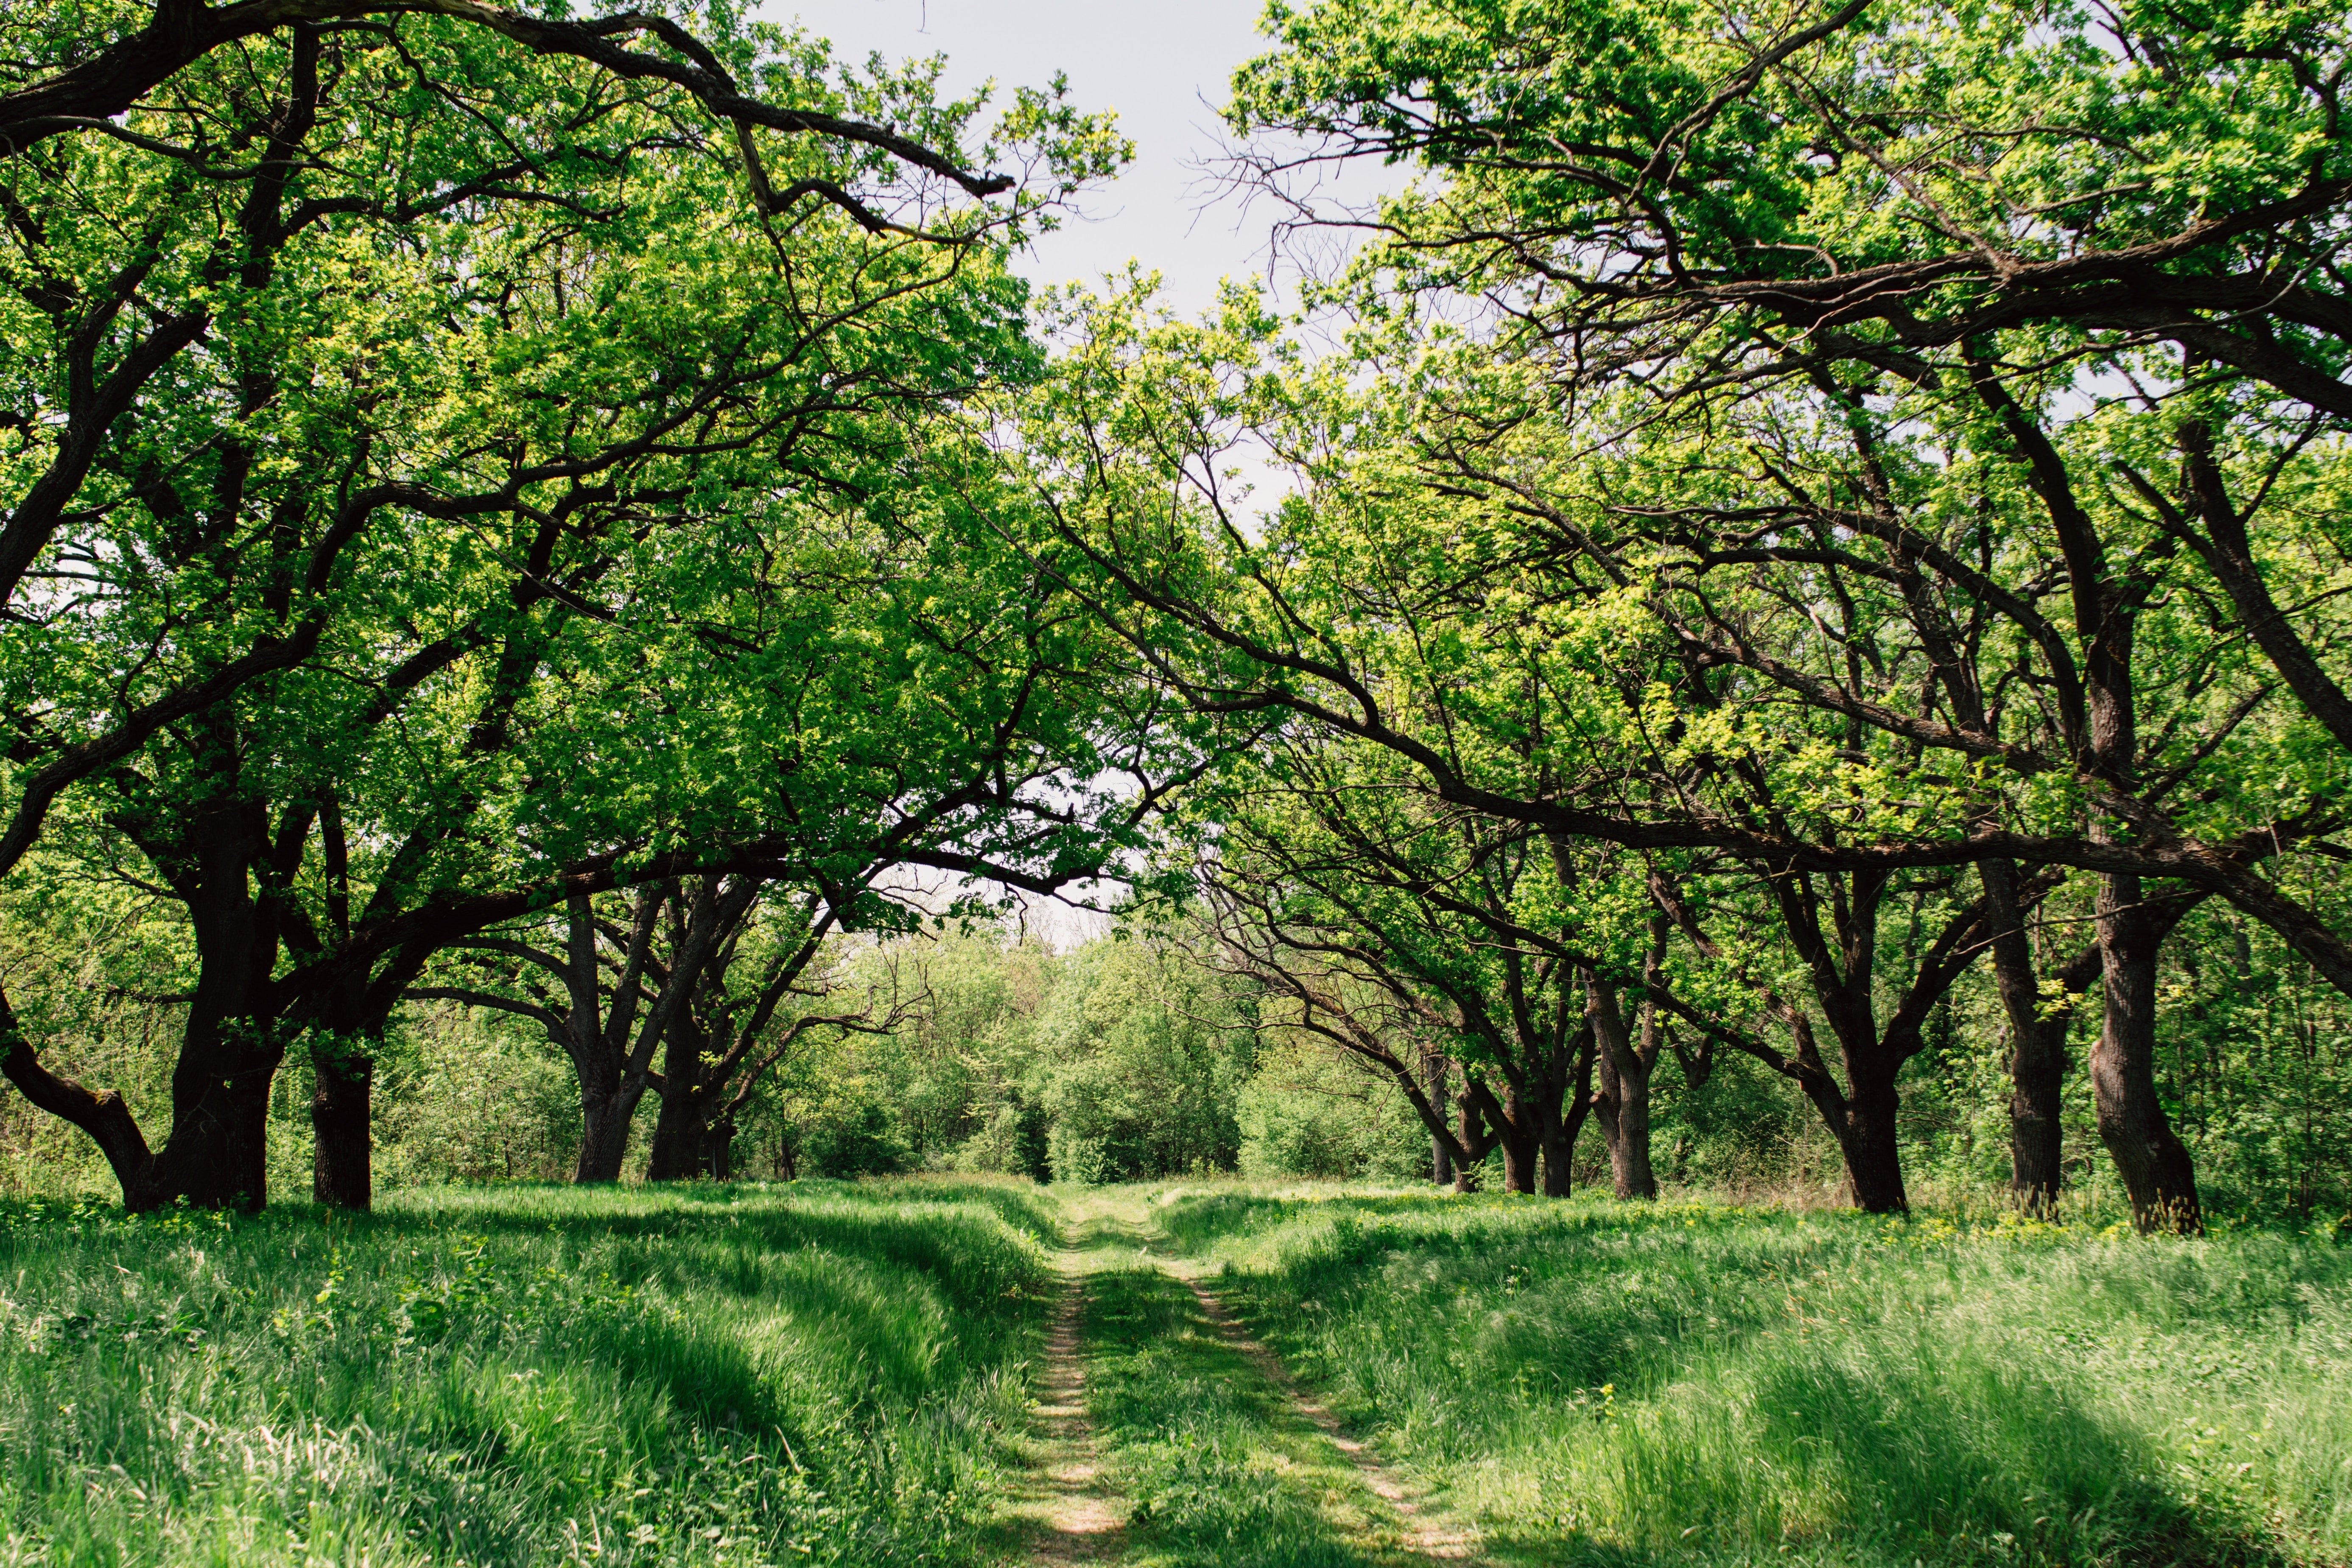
(968, 1372)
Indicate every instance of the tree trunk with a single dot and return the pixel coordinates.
(2155, 1165)
(2037, 1114)
(604, 1131)
(1466, 1175)
(218, 1153)
(681, 1131)
(1519, 1161)
(101, 1113)
(1873, 1156)
(1576, 1104)
(355, 1014)
(1516, 1129)
(1625, 1092)
(343, 1167)
(217, 1156)
(2038, 1052)
(1625, 1107)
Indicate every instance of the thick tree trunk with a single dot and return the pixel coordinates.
(604, 1131)
(2038, 1049)
(1873, 1156)
(2155, 1164)
(676, 1153)
(218, 1153)
(1520, 1144)
(2036, 1114)
(681, 1131)
(1625, 1092)
(342, 1162)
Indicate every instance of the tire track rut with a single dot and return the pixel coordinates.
(1424, 1536)
(1083, 1520)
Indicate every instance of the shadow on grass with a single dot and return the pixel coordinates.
(472, 1375)
(888, 1293)
(1676, 1386)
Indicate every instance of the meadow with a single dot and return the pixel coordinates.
(1701, 1382)
(813, 1375)
(844, 1373)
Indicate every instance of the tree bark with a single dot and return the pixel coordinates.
(1559, 1149)
(1624, 1091)
(2155, 1164)
(342, 1163)
(352, 1016)
(682, 1130)
(2038, 1048)
(1520, 1143)
(1873, 1155)
(605, 1132)
(101, 1113)
(218, 1155)
(1467, 1173)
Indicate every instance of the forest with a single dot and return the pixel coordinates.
(688, 875)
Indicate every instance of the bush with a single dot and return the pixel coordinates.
(862, 1138)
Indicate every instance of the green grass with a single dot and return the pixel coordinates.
(1219, 1472)
(833, 1374)
(1692, 1383)
(817, 1373)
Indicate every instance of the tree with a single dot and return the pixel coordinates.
(423, 419)
(1851, 244)
(616, 997)
(1423, 940)
(1879, 207)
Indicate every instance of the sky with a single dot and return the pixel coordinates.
(1164, 67)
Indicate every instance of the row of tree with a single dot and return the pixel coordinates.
(1814, 502)
(462, 462)
(1806, 507)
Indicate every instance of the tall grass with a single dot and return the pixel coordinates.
(817, 1373)
(1699, 1383)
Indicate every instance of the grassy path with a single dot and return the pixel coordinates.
(1422, 1535)
(1168, 1437)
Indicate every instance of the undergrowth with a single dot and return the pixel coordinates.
(1699, 1383)
(818, 1374)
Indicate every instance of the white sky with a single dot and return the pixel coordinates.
(1164, 67)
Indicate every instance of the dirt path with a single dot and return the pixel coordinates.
(1423, 1536)
(1081, 1520)
(1071, 1509)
